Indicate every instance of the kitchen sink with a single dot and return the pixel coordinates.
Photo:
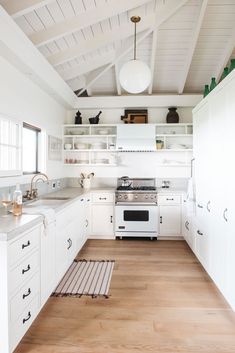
(59, 198)
(44, 202)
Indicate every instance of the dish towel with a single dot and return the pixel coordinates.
(191, 197)
(47, 213)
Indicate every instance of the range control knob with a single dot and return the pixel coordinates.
(125, 197)
(146, 196)
(120, 196)
(136, 196)
(152, 197)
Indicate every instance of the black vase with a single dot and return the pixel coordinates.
(172, 116)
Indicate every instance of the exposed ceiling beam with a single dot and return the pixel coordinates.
(160, 16)
(153, 60)
(116, 71)
(100, 41)
(83, 20)
(88, 66)
(162, 100)
(193, 46)
(17, 8)
(226, 56)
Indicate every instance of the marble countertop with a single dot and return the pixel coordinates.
(11, 226)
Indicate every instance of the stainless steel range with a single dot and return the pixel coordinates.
(136, 210)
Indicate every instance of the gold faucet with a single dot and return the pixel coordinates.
(33, 192)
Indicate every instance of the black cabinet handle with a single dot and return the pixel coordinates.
(27, 269)
(225, 215)
(207, 206)
(87, 223)
(70, 243)
(26, 245)
(160, 219)
(200, 233)
(111, 219)
(82, 200)
(88, 200)
(199, 206)
(102, 198)
(27, 294)
(186, 225)
(169, 199)
(27, 318)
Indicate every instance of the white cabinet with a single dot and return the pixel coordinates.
(214, 144)
(20, 286)
(169, 215)
(102, 216)
(47, 261)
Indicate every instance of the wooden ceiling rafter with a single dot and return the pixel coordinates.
(193, 45)
(84, 20)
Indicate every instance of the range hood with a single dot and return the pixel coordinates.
(136, 137)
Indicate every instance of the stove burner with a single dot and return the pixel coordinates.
(136, 188)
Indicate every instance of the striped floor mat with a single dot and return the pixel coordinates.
(86, 277)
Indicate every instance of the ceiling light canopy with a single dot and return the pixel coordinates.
(135, 75)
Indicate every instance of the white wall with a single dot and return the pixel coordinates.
(23, 100)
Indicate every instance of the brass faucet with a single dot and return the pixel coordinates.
(33, 192)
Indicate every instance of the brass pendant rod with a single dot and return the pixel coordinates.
(135, 43)
(135, 19)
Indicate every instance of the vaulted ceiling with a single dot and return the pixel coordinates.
(185, 42)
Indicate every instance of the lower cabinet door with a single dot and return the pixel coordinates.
(102, 220)
(170, 220)
(47, 262)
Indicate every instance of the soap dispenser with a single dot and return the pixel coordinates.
(17, 201)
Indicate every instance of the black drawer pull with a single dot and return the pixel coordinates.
(27, 294)
(70, 243)
(186, 225)
(199, 206)
(200, 233)
(26, 245)
(207, 206)
(82, 200)
(102, 198)
(225, 215)
(27, 318)
(111, 219)
(160, 219)
(27, 269)
(169, 199)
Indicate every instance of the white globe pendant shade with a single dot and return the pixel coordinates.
(135, 76)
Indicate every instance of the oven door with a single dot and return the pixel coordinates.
(136, 218)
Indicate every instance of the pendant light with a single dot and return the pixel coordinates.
(135, 75)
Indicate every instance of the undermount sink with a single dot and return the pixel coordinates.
(60, 198)
(44, 202)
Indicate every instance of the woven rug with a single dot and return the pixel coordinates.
(86, 277)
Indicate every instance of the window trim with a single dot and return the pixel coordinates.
(37, 130)
(18, 146)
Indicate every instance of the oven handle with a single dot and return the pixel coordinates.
(135, 204)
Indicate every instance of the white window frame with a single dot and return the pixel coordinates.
(9, 143)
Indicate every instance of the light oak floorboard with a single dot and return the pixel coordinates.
(161, 301)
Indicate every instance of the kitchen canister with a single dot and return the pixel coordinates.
(86, 183)
(172, 116)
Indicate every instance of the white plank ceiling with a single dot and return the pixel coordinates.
(185, 42)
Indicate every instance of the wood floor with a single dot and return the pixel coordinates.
(161, 301)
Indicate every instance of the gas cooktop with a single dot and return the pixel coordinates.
(136, 188)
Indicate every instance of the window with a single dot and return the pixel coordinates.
(30, 142)
(10, 146)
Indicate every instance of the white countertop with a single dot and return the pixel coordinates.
(11, 226)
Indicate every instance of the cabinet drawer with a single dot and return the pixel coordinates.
(24, 321)
(169, 199)
(103, 197)
(25, 295)
(23, 271)
(24, 245)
